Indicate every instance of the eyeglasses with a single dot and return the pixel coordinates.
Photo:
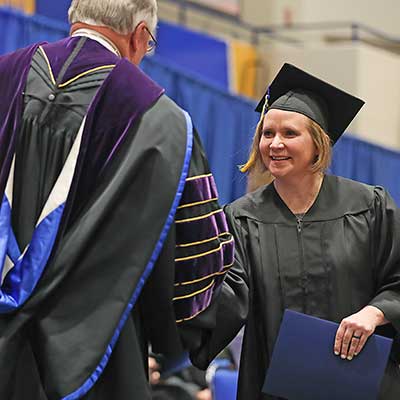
(152, 43)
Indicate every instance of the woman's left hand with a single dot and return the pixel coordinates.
(355, 329)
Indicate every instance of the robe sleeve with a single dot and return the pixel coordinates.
(204, 245)
(211, 331)
(386, 239)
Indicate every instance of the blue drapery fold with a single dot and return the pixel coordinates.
(356, 159)
(19, 30)
(225, 122)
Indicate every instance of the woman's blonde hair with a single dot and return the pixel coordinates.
(323, 143)
(258, 173)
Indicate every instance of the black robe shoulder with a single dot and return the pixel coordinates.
(344, 255)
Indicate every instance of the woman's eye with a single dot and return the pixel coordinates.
(268, 134)
(291, 133)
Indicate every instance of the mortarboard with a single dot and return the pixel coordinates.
(295, 90)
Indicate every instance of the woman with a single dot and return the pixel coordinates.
(314, 243)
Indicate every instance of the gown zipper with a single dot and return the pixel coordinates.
(299, 224)
(303, 279)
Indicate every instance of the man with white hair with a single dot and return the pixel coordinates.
(111, 232)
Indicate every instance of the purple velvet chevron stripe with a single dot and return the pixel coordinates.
(202, 229)
(15, 67)
(191, 306)
(189, 270)
(96, 55)
(104, 132)
(199, 189)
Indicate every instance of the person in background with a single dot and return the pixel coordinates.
(311, 242)
(108, 207)
(183, 382)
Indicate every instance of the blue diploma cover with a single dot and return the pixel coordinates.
(304, 366)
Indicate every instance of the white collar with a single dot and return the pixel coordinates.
(98, 37)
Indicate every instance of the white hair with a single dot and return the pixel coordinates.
(122, 16)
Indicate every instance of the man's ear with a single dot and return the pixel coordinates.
(138, 36)
(133, 41)
(138, 41)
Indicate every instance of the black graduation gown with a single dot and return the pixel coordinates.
(343, 256)
(45, 137)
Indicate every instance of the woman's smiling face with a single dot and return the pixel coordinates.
(286, 146)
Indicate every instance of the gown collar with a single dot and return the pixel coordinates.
(98, 37)
(337, 197)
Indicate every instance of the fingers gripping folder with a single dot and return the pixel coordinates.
(304, 367)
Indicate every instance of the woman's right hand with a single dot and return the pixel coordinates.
(354, 331)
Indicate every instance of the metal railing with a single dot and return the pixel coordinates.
(296, 34)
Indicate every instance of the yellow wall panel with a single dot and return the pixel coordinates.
(243, 68)
(25, 5)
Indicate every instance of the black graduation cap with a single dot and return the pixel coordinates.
(296, 90)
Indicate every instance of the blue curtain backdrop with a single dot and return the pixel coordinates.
(194, 51)
(20, 30)
(356, 159)
(225, 122)
(54, 9)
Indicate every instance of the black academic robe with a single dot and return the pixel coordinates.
(76, 337)
(344, 255)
